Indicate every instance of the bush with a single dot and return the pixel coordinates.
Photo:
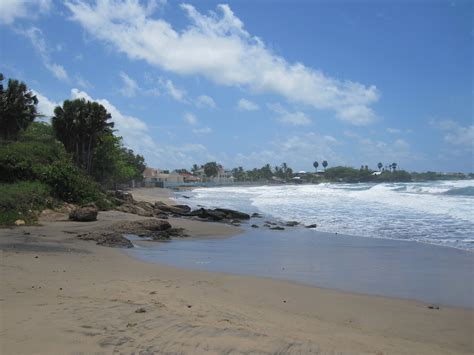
(46, 161)
(23, 200)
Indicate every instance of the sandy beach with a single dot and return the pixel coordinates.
(62, 295)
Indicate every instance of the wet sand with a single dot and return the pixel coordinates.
(62, 295)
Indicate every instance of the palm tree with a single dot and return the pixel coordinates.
(316, 164)
(394, 166)
(379, 165)
(17, 108)
(325, 164)
(80, 125)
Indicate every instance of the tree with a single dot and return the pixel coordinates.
(379, 165)
(316, 164)
(325, 164)
(80, 125)
(17, 108)
(211, 169)
(394, 166)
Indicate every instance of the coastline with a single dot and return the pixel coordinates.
(65, 295)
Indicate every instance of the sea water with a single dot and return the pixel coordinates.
(438, 212)
(408, 240)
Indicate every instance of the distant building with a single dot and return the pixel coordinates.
(161, 178)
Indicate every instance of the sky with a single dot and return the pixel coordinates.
(246, 83)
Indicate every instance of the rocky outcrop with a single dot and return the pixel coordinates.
(291, 223)
(161, 207)
(154, 229)
(219, 214)
(312, 226)
(87, 213)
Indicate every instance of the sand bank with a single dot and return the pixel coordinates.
(61, 295)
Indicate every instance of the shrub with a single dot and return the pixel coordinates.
(23, 200)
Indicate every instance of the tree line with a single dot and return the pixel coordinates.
(75, 157)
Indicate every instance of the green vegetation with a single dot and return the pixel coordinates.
(21, 200)
(73, 160)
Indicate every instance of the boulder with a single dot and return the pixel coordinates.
(254, 226)
(126, 197)
(218, 214)
(232, 214)
(256, 215)
(312, 226)
(84, 214)
(277, 228)
(291, 223)
(161, 207)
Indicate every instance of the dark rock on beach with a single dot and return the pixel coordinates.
(277, 228)
(312, 226)
(219, 214)
(84, 214)
(291, 223)
(256, 215)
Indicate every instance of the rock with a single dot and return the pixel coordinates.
(291, 223)
(232, 214)
(20, 222)
(218, 214)
(140, 310)
(168, 233)
(277, 228)
(254, 226)
(311, 226)
(126, 197)
(270, 223)
(161, 207)
(107, 238)
(135, 209)
(256, 215)
(84, 214)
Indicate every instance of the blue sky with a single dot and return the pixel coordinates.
(250, 82)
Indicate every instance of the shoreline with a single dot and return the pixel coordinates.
(60, 294)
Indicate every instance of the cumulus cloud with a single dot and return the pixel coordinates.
(130, 86)
(217, 47)
(45, 107)
(35, 35)
(11, 10)
(205, 101)
(247, 105)
(297, 118)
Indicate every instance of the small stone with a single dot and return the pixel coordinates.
(36, 257)
(153, 293)
(312, 226)
(189, 306)
(277, 228)
(140, 310)
(254, 226)
(20, 222)
(60, 288)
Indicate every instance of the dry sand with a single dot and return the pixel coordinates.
(61, 295)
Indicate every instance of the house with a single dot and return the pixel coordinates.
(223, 176)
(161, 178)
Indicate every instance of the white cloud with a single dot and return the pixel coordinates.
(190, 118)
(247, 105)
(456, 134)
(217, 47)
(173, 91)
(35, 35)
(203, 130)
(10, 10)
(205, 101)
(130, 86)
(45, 107)
(297, 118)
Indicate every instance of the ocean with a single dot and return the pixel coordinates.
(405, 240)
(438, 212)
